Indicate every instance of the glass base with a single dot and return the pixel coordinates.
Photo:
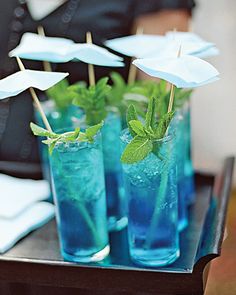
(154, 258)
(86, 259)
(115, 224)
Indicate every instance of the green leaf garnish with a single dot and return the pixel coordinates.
(71, 136)
(136, 150)
(131, 115)
(137, 127)
(39, 131)
(93, 130)
(163, 124)
(60, 95)
(145, 135)
(92, 100)
(150, 115)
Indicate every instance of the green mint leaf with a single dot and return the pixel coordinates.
(137, 127)
(60, 95)
(71, 135)
(39, 131)
(136, 150)
(92, 100)
(151, 113)
(131, 115)
(163, 124)
(93, 130)
(51, 144)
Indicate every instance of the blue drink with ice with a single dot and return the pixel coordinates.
(79, 195)
(58, 120)
(116, 205)
(151, 190)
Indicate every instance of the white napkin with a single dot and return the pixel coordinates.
(136, 45)
(20, 81)
(171, 48)
(18, 194)
(60, 50)
(36, 47)
(12, 230)
(184, 72)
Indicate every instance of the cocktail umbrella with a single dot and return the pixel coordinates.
(36, 47)
(183, 71)
(182, 37)
(27, 79)
(187, 48)
(136, 45)
(60, 50)
(141, 46)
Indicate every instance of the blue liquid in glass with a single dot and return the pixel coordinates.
(151, 189)
(79, 195)
(58, 120)
(116, 205)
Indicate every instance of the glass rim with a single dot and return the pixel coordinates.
(83, 144)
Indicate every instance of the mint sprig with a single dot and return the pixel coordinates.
(145, 136)
(92, 100)
(59, 94)
(76, 135)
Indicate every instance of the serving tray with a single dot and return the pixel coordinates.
(35, 266)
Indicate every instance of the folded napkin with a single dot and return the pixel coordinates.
(60, 50)
(184, 71)
(18, 194)
(13, 229)
(20, 81)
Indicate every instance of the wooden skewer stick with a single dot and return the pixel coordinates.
(91, 71)
(46, 65)
(132, 69)
(172, 89)
(35, 99)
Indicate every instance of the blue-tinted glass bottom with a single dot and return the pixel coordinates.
(82, 258)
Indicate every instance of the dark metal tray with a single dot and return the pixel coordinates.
(35, 263)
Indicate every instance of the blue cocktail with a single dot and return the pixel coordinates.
(151, 190)
(116, 204)
(59, 119)
(79, 195)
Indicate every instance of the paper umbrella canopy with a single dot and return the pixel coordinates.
(20, 81)
(60, 50)
(141, 46)
(184, 71)
(182, 37)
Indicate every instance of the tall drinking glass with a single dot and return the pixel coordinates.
(79, 195)
(59, 120)
(151, 189)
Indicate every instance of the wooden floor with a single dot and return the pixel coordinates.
(222, 276)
